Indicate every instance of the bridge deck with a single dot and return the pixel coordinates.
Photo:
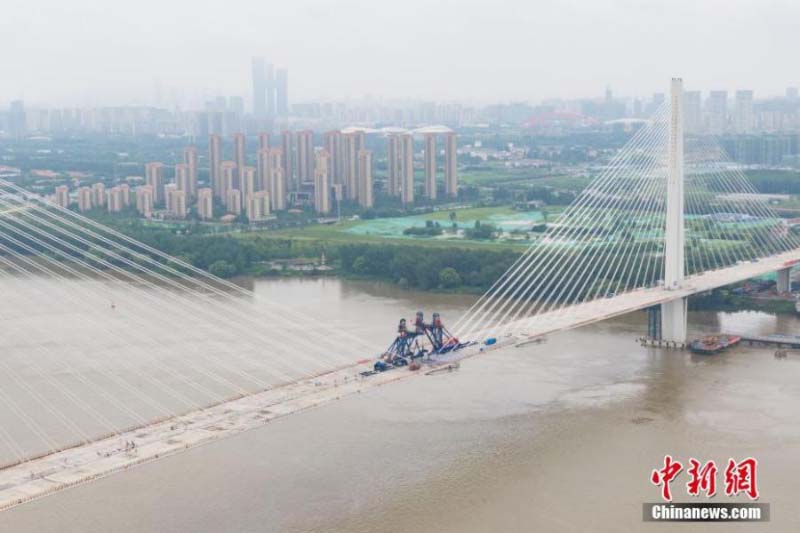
(605, 308)
(68, 468)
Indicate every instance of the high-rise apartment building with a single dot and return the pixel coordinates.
(190, 159)
(264, 141)
(276, 183)
(287, 145)
(182, 178)
(229, 179)
(407, 168)
(176, 201)
(744, 117)
(692, 112)
(99, 194)
(354, 143)
(430, 166)
(62, 196)
(215, 163)
(205, 203)
(239, 152)
(305, 156)
(248, 183)
(85, 199)
(717, 104)
(233, 202)
(114, 200)
(125, 194)
(145, 200)
(154, 177)
(334, 144)
(322, 188)
(451, 165)
(257, 206)
(262, 168)
(393, 164)
(365, 199)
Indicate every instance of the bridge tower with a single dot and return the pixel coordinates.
(673, 314)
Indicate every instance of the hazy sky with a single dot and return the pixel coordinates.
(89, 51)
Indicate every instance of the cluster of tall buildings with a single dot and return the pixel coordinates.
(723, 112)
(114, 199)
(274, 173)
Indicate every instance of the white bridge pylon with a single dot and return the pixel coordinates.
(667, 217)
(673, 313)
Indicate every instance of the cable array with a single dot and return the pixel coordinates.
(610, 240)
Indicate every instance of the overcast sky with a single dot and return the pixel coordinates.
(79, 52)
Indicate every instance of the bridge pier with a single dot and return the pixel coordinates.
(673, 321)
(784, 281)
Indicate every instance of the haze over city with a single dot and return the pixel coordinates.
(444, 50)
(391, 266)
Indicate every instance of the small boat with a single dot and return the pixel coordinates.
(713, 344)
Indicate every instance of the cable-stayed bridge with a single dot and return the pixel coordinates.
(186, 357)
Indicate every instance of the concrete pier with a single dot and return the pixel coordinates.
(784, 280)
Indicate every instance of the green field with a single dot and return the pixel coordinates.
(390, 230)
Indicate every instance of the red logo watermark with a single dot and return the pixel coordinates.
(739, 477)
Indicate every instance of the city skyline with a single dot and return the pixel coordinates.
(519, 52)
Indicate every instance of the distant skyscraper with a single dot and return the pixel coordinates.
(154, 177)
(17, 119)
(692, 112)
(791, 93)
(305, 156)
(430, 166)
(451, 165)
(215, 163)
(190, 158)
(62, 196)
(745, 120)
(282, 92)
(365, 199)
(145, 200)
(407, 168)
(205, 203)
(393, 164)
(259, 87)
(322, 188)
(717, 111)
(270, 90)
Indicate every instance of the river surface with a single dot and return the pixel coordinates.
(559, 436)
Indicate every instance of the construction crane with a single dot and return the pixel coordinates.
(409, 345)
